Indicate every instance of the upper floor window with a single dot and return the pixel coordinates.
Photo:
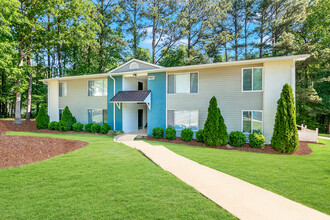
(97, 87)
(183, 83)
(252, 79)
(62, 89)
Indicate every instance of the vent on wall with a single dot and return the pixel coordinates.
(134, 66)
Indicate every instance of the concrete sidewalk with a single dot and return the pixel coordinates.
(242, 199)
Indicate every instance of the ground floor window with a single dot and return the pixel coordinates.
(252, 121)
(180, 119)
(60, 112)
(97, 116)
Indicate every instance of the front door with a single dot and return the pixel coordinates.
(140, 118)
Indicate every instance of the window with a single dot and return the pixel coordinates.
(60, 112)
(179, 119)
(61, 89)
(183, 83)
(97, 87)
(252, 121)
(97, 116)
(140, 85)
(252, 79)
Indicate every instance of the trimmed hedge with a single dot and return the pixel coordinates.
(51, 125)
(187, 134)
(88, 127)
(158, 132)
(95, 128)
(200, 135)
(77, 127)
(170, 133)
(67, 120)
(237, 139)
(105, 128)
(42, 118)
(257, 140)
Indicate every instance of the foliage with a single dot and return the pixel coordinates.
(257, 140)
(211, 126)
(77, 126)
(105, 128)
(88, 127)
(158, 132)
(222, 134)
(67, 120)
(42, 119)
(187, 134)
(51, 125)
(236, 139)
(200, 135)
(95, 128)
(170, 133)
(285, 134)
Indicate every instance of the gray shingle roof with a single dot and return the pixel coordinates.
(131, 96)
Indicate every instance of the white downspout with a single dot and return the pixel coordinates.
(114, 106)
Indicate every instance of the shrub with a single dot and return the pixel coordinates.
(257, 140)
(187, 134)
(51, 125)
(88, 127)
(285, 134)
(170, 133)
(158, 132)
(77, 126)
(67, 120)
(222, 133)
(105, 128)
(200, 135)
(42, 118)
(121, 132)
(237, 139)
(57, 126)
(211, 125)
(95, 128)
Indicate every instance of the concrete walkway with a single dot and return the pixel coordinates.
(324, 137)
(242, 199)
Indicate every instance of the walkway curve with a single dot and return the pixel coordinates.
(242, 199)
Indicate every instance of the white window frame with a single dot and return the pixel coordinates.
(189, 83)
(98, 95)
(262, 124)
(102, 109)
(183, 110)
(66, 89)
(262, 80)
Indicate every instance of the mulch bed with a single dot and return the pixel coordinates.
(20, 150)
(304, 149)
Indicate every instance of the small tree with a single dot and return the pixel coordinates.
(211, 126)
(285, 134)
(42, 118)
(67, 120)
(223, 134)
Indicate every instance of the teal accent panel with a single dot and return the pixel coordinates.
(157, 114)
(119, 114)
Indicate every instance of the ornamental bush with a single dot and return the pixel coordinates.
(170, 133)
(88, 127)
(285, 134)
(67, 120)
(257, 140)
(200, 135)
(57, 126)
(42, 118)
(222, 133)
(187, 134)
(158, 132)
(105, 128)
(51, 125)
(95, 128)
(77, 127)
(237, 139)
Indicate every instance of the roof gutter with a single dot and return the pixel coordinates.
(114, 106)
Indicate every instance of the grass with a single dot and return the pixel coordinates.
(100, 181)
(325, 135)
(304, 179)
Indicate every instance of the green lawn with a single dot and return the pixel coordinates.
(325, 135)
(100, 181)
(304, 179)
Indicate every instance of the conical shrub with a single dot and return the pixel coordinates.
(285, 134)
(67, 120)
(222, 133)
(211, 126)
(42, 118)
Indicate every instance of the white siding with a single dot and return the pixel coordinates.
(53, 100)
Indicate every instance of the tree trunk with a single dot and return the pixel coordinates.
(18, 120)
(59, 57)
(29, 96)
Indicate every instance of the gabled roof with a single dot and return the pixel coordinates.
(135, 65)
(131, 96)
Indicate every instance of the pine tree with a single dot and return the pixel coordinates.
(42, 118)
(285, 134)
(211, 126)
(222, 133)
